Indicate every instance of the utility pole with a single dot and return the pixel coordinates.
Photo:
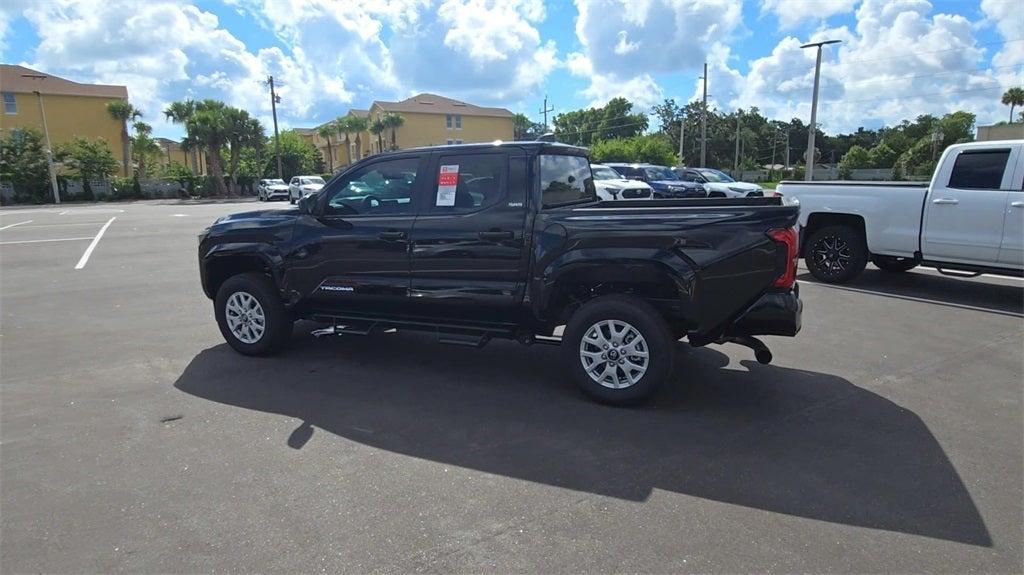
(736, 160)
(46, 134)
(274, 99)
(787, 149)
(704, 121)
(808, 175)
(545, 111)
(682, 132)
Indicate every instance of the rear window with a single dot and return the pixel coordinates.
(982, 170)
(565, 180)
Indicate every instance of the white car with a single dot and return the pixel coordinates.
(970, 218)
(272, 189)
(302, 186)
(719, 184)
(612, 185)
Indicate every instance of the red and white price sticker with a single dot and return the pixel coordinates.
(447, 182)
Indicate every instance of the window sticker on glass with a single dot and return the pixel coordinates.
(447, 181)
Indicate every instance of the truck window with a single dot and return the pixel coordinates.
(565, 180)
(480, 183)
(382, 188)
(979, 170)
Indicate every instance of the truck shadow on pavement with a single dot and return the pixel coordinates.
(946, 291)
(777, 439)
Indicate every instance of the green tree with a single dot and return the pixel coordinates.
(614, 120)
(855, 159)
(377, 128)
(243, 131)
(651, 148)
(392, 122)
(298, 157)
(88, 160)
(179, 113)
(342, 126)
(144, 147)
(523, 129)
(124, 112)
(882, 156)
(208, 125)
(357, 125)
(1013, 97)
(23, 165)
(326, 131)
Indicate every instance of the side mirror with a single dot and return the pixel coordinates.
(306, 204)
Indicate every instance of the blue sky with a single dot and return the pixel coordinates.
(898, 59)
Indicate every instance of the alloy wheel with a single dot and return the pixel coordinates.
(614, 354)
(245, 317)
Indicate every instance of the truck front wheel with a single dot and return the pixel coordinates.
(251, 317)
(618, 349)
(836, 254)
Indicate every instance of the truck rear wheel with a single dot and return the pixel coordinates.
(894, 264)
(250, 315)
(618, 349)
(836, 254)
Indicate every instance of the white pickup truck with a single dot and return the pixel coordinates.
(970, 218)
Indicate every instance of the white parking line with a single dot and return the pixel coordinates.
(17, 224)
(43, 241)
(88, 251)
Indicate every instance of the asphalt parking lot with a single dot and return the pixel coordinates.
(887, 436)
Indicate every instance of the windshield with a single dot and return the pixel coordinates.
(715, 176)
(305, 181)
(659, 173)
(604, 173)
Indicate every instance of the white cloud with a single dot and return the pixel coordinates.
(791, 13)
(1009, 21)
(900, 61)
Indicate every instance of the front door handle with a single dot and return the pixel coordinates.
(946, 201)
(392, 235)
(1017, 204)
(497, 235)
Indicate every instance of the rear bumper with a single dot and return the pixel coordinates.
(774, 313)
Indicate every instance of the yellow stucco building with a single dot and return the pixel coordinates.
(72, 109)
(429, 120)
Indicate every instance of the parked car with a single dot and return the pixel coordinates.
(719, 184)
(970, 218)
(302, 186)
(272, 189)
(612, 185)
(508, 241)
(663, 181)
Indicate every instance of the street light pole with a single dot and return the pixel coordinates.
(274, 99)
(46, 135)
(808, 175)
(704, 121)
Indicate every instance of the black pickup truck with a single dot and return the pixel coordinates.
(473, 242)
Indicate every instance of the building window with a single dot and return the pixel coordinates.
(458, 121)
(10, 104)
(449, 141)
(448, 121)
(458, 141)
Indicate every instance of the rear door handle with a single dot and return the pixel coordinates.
(392, 235)
(497, 235)
(1017, 204)
(946, 201)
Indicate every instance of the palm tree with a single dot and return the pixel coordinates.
(179, 113)
(358, 124)
(393, 121)
(1013, 97)
(377, 128)
(326, 131)
(342, 127)
(143, 145)
(124, 112)
(208, 127)
(243, 131)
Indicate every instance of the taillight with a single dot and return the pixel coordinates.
(787, 236)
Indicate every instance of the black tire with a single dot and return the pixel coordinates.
(894, 264)
(716, 195)
(291, 200)
(836, 254)
(260, 197)
(646, 322)
(277, 321)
